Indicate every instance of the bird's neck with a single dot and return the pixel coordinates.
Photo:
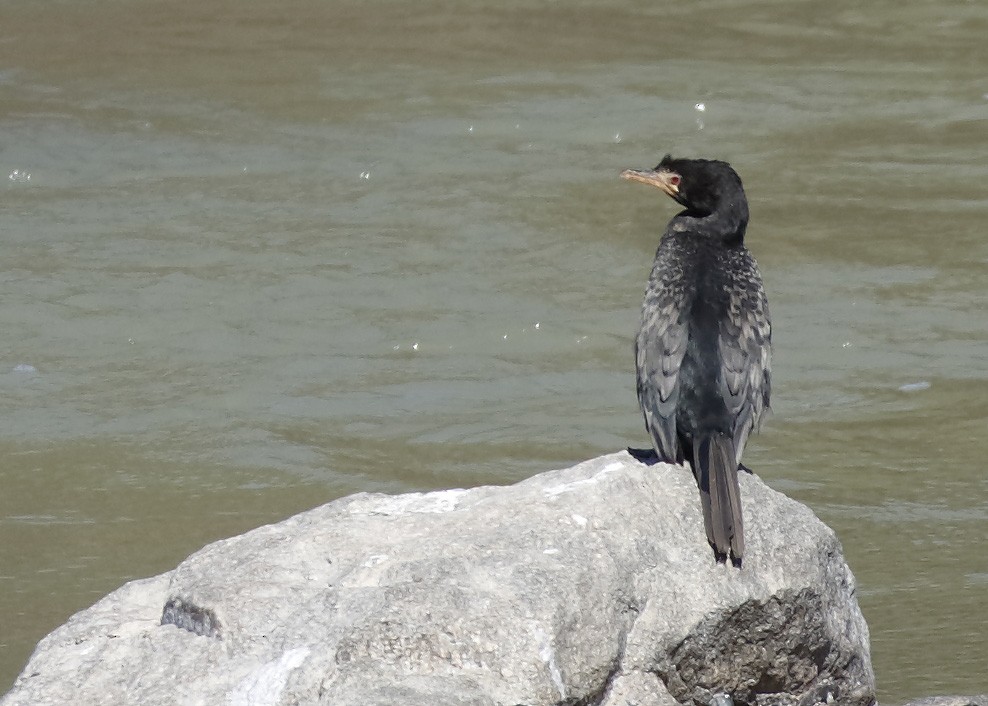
(727, 224)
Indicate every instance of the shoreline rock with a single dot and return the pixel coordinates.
(981, 700)
(591, 585)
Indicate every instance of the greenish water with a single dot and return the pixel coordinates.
(256, 256)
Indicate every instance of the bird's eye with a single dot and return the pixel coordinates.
(674, 179)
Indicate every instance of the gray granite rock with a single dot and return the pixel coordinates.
(981, 700)
(589, 585)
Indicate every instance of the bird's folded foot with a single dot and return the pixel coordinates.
(646, 456)
(742, 467)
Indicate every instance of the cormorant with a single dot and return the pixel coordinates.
(704, 348)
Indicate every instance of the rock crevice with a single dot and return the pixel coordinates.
(197, 620)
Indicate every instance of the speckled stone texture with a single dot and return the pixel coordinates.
(589, 585)
(981, 700)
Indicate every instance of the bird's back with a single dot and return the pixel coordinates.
(703, 345)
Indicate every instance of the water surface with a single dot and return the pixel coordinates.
(258, 256)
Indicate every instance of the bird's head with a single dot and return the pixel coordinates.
(702, 186)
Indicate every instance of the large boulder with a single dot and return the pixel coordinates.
(981, 700)
(589, 585)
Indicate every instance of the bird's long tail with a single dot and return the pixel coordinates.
(716, 468)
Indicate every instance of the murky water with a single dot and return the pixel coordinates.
(256, 256)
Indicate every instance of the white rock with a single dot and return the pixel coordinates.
(468, 608)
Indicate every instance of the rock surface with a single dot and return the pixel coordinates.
(589, 585)
(981, 700)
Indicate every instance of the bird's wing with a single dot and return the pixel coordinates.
(746, 354)
(659, 350)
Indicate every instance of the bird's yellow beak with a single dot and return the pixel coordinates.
(662, 178)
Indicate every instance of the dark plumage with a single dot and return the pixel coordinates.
(704, 348)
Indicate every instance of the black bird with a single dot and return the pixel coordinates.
(704, 348)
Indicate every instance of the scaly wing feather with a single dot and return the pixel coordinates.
(659, 349)
(745, 342)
